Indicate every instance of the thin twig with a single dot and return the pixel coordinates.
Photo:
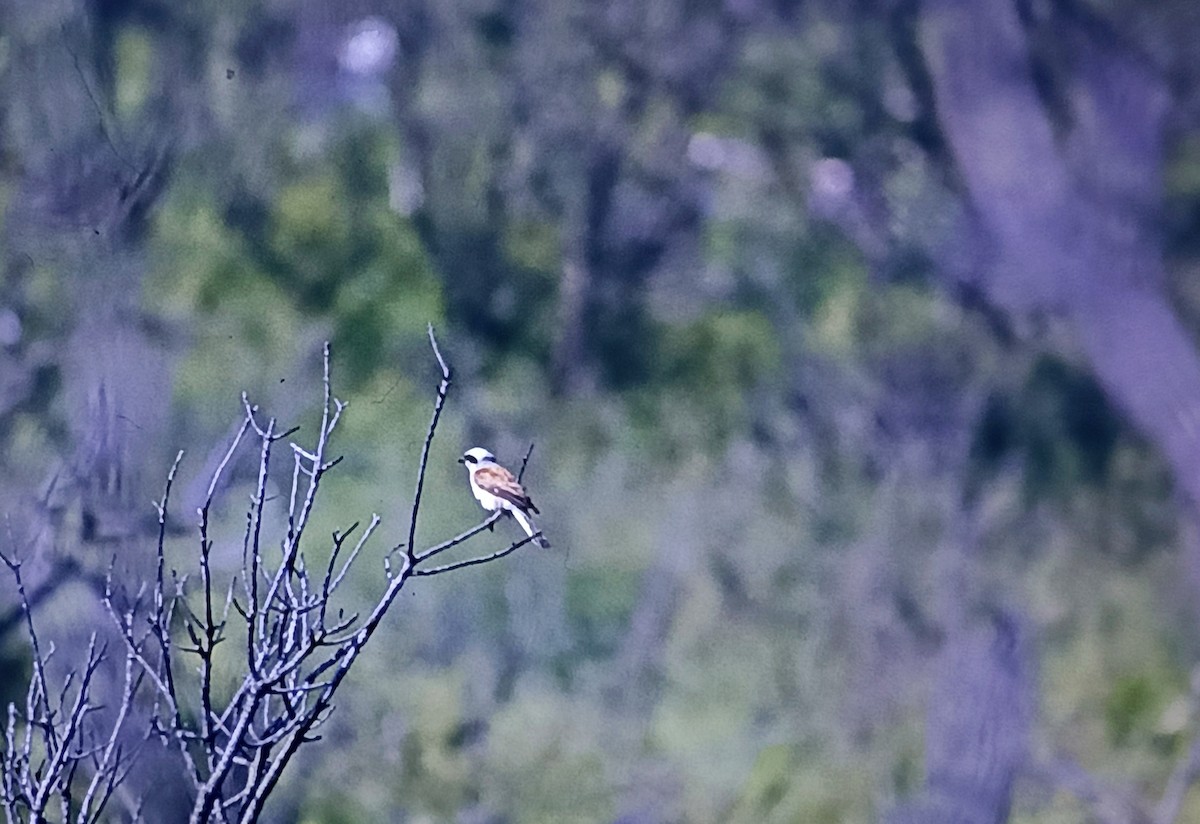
(460, 538)
(525, 462)
(443, 388)
(438, 570)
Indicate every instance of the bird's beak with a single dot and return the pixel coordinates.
(462, 460)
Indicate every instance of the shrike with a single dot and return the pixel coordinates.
(497, 488)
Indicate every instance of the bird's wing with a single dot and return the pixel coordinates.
(498, 481)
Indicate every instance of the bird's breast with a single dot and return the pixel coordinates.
(486, 499)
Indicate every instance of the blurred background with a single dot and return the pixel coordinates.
(858, 342)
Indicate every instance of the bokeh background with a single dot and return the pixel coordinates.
(858, 342)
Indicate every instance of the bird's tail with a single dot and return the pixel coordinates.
(527, 525)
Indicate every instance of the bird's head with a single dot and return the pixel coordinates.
(475, 456)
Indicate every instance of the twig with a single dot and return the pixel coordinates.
(458, 539)
(438, 570)
(443, 388)
(524, 462)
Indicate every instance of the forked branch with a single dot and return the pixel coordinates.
(298, 645)
(295, 644)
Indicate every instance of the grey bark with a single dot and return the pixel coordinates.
(1065, 213)
(1059, 190)
(977, 727)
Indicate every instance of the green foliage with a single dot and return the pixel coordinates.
(1132, 703)
(711, 369)
(725, 351)
(134, 58)
(1073, 448)
(767, 784)
(1071, 430)
(785, 788)
(436, 771)
(542, 765)
(328, 246)
(599, 603)
(533, 245)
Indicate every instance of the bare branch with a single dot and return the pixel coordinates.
(524, 462)
(299, 646)
(460, 538)
(476, 561)
(443, 388)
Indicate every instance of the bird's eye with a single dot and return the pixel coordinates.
(469, 458)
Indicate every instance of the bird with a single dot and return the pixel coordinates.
(498, 489)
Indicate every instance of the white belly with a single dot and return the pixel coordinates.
(487, 500)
